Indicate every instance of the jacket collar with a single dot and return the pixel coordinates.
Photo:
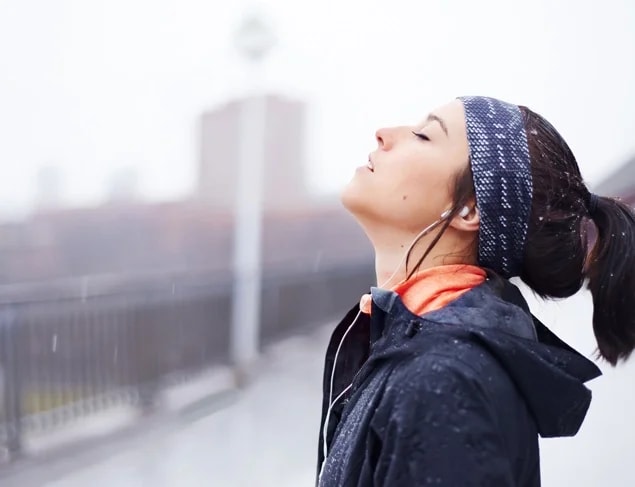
(391, 318)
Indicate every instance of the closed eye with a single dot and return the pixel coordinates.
(421, 136)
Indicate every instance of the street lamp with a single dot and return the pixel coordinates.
(253, 40)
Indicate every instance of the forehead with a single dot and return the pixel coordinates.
(453, 116)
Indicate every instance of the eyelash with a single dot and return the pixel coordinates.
(421, 136)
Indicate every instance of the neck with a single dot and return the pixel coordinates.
(391, 248)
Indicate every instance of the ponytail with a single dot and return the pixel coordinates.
(611, 273)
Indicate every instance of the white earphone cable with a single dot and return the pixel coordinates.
(421, 234)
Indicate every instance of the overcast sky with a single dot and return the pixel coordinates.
(95, 86)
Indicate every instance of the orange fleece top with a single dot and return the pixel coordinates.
(433, 288)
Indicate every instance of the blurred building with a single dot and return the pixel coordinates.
(135, 239)
(127, 237)
(123, 185)
(620, 183)
(49, 187)
(284, 158)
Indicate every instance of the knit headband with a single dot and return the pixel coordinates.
(499, 158)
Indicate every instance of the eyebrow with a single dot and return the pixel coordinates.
(433, 118)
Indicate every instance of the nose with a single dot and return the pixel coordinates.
(383, 137)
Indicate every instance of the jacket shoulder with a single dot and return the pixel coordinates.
(446, 369)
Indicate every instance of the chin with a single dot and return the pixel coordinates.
(358, 201)
(352, 197)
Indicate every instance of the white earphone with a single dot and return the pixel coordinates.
(463, 213)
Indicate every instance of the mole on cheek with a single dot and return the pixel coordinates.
(404, 197)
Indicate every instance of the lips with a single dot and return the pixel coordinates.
(370, 164)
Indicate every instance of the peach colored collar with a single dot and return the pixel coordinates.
(433, 288)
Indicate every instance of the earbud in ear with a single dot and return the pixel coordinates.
(463, 213)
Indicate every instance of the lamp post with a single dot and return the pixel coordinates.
(253, 41)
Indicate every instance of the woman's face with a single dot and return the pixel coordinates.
(409, 180)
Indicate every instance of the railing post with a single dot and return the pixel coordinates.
(145, 359)
(12, 383)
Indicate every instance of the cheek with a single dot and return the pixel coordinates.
(423, 185)
(413, 197)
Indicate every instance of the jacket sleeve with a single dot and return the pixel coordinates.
(436, 426)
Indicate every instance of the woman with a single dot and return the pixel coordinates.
(441, 376)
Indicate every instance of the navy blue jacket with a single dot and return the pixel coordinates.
(456, 397)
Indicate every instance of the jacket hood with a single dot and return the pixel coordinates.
(548, 373)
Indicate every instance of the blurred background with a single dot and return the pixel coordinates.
(173, 253)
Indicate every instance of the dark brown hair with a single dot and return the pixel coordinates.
(462, 192)
(557, 261)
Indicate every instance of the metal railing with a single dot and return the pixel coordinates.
(78, 352)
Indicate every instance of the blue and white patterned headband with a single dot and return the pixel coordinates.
(499, 158)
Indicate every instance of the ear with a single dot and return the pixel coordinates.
(469, 222)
